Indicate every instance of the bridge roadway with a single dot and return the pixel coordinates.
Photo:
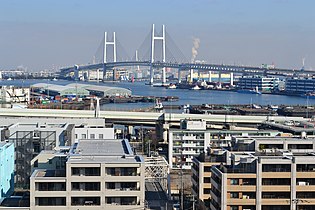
(145, 118)
(185, 66)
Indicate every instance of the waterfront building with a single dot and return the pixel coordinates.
(6, 169)
(101, 90)
(98, 174)
(53, 90)
(264, 84)
(299, 85)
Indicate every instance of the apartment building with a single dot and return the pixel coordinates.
(98, 174)
(265, 182)
(242, 149)
(192, 140)
(201, 174)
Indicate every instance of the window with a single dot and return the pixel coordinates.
(51, 201)
(85, 186)
(87, 171)
(36, 163)
(233, 207)
(100, 136)
(85, 201)
(92, 136)
(76, 136)
(83, 136)
(234, 195)
(50, 186)
(234, 181)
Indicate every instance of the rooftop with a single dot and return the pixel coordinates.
(103, 150)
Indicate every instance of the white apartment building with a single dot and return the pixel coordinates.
(98, 174)
(191, 140)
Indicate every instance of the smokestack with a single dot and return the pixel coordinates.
(194, 49)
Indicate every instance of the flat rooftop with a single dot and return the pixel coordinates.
(103, 150)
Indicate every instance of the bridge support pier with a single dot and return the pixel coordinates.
(151, 75)
(179, 76)
(210, 76)
(219, 83)
(163, 76)
(191, 73)
(231, 79)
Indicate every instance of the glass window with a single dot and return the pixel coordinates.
(234, 181)
(234, 195)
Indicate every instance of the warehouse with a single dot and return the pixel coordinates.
(103, 91)
(53, 90)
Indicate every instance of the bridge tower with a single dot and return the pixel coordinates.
(108, 43)
(153, 38)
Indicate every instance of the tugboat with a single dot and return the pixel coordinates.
(172, 86)
(254, 91)
(196, 87)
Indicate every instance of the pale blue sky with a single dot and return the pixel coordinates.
(41, 34)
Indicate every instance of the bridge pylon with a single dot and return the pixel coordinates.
(109, 43)
(153, 39)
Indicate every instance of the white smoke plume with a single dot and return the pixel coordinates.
(194, 49)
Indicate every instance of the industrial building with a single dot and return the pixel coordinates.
(6, 169)
(53, 90)
(98, 174)
(264, 84)
(300, 85)
(77, 89)
(102, 91)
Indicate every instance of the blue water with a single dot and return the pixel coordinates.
(192, 97)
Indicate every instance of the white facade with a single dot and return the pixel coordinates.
(10, 95)
(93, 133)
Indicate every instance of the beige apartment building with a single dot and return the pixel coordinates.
(98, 174)
(278, 181)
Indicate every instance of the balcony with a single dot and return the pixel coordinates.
(241, 201)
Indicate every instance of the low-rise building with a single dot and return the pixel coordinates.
(99, 174)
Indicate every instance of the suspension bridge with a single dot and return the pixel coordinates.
(159, 52)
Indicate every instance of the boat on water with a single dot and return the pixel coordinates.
(249, 91)
(172, 86)
(196, 87)
(309, 95)
(158, 104)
